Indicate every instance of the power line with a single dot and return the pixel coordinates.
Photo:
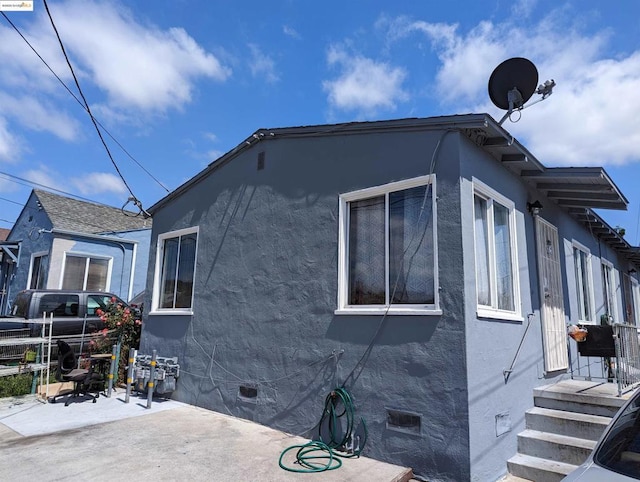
(12, 177)
(10, 201)
(81, 105)
(133, 197)
(63, 214)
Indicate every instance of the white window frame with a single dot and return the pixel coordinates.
(579, 281)
(87, 257)
(39, 254)
(157, 278)
(343, 249)
(610, 290)
(635, 290)
(631, 283)
(492, 311)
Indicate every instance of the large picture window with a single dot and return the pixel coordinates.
(175, 262)
(85, 273)
(386, 250)
(584, 283)
(497, 290)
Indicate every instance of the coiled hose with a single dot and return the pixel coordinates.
(321, 455)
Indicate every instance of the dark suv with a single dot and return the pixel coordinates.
(74, 312)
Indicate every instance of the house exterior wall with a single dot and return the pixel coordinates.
(27, 231)
(496, 408)
(266, 291)
(265, 295)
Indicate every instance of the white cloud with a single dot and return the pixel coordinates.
(363, 84)
(21, 67)
(43, 176)
(9, 144)
(262, 65)
(591, 117)
(210, 136)
(87, 183)
(38, 115)
(290, 32)
(213, 155)
(97, 183)
(139, 69)
(138, 66)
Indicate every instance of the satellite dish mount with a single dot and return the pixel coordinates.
(512, 84)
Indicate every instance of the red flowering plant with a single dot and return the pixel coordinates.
(122, 325)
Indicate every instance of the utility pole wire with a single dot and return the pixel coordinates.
(82, 105)
(93, 120)
(12, 178)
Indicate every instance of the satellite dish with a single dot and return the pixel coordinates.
(512, 83)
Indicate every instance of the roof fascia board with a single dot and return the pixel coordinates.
(76, 234)
(467, 121)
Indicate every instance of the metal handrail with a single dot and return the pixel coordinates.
(627, 356)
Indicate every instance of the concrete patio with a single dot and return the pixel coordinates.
(112, 440)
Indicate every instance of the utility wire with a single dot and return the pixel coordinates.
(133, 198)
(10, 201)
(12, 177)
(60, 213)
(82, 105)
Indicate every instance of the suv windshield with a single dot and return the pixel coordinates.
(620, 450)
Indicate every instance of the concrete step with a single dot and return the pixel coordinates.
(589, 401)
(559, 448)
(540, 470)
(575, 406)
(561, 422)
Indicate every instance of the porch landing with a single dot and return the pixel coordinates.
(601, 392)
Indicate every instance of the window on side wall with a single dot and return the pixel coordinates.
(387, 260)
(609, 286)
(175, 270)
(85, 273)
(39, 270)
(497, 285)
(631, 301)
(584, 283)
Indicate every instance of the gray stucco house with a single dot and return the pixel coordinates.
(401, 259)
(60, 242)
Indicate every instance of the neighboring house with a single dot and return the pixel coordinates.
(59, 242)
(403, 259)
(4, 233)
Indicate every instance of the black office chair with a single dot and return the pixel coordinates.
(83, 380)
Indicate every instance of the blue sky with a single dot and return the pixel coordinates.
(178, 83)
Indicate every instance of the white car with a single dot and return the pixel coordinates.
(616, 456)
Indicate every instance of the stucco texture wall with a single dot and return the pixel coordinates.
(496, 407)
(266, 291)
(27, 231)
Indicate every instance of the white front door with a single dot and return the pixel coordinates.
(554, 331)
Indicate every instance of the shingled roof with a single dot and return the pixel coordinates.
(85, 217)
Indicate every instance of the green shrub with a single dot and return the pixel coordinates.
(16, 385)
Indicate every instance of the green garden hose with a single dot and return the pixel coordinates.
(321, 455)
